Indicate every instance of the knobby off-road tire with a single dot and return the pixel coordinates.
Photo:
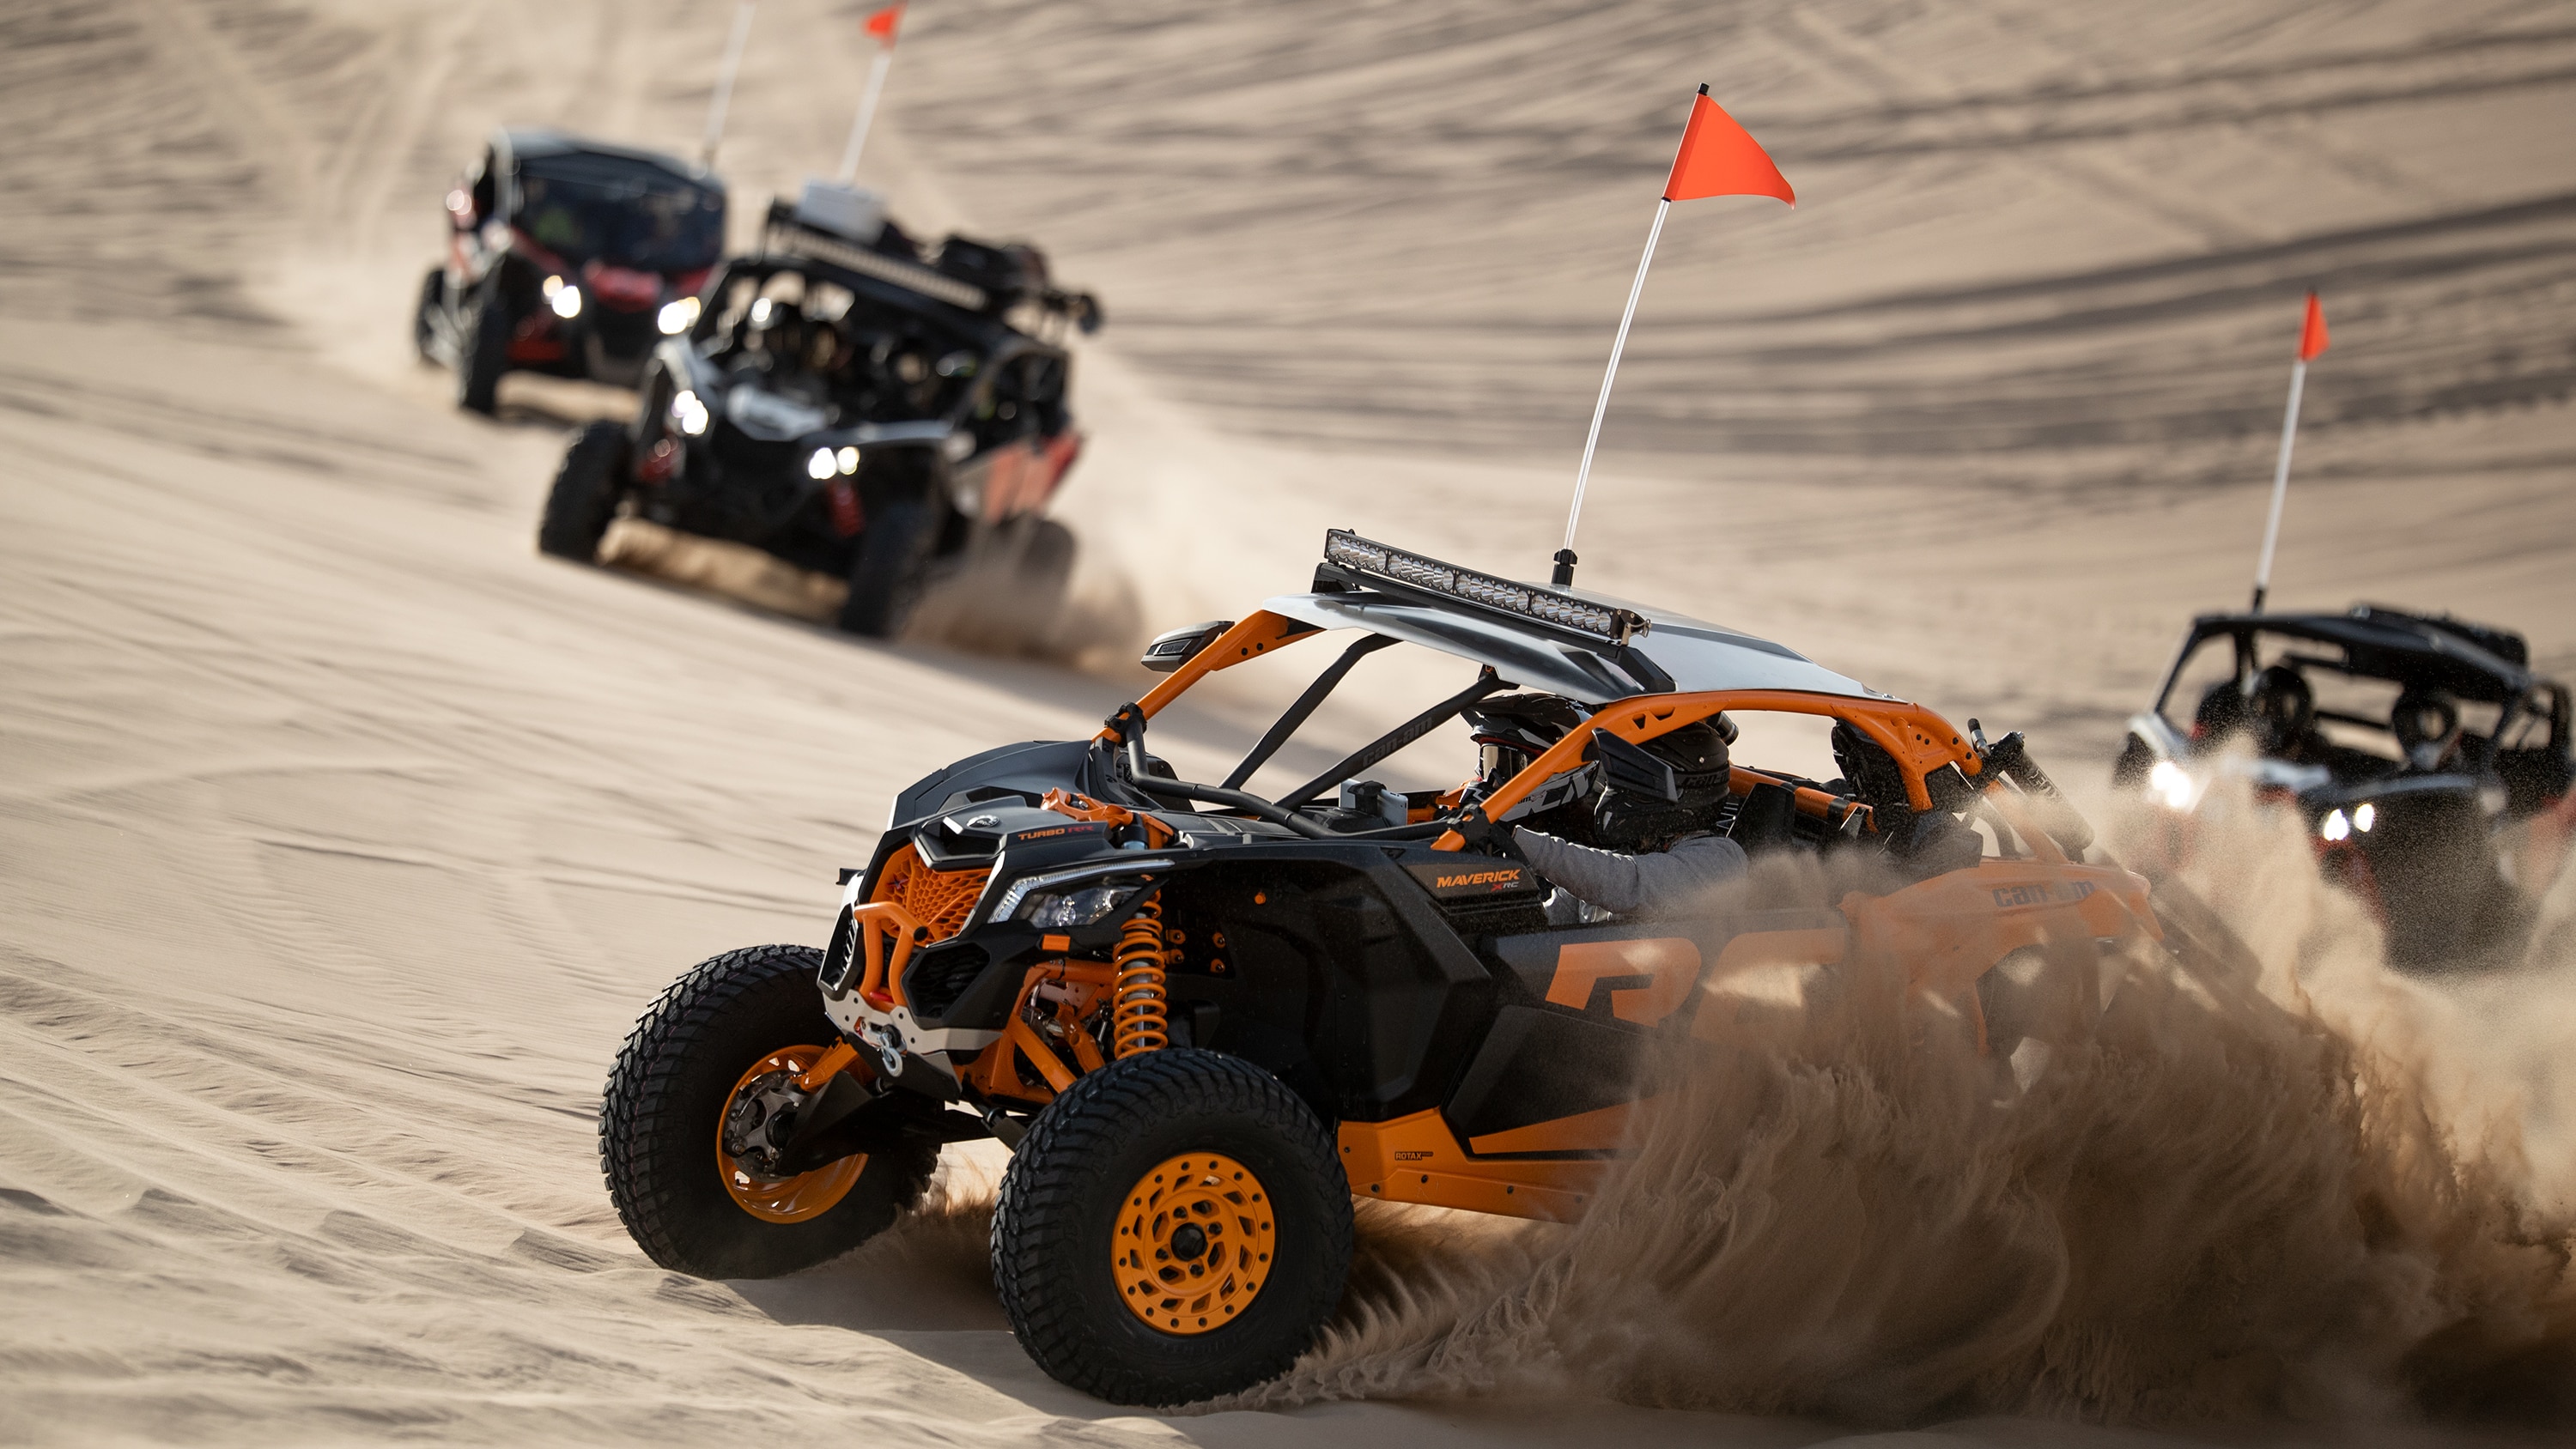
(1082, 1172)
(483, 353)
(1046, 563)
(659, 1123)
(892, 569)
(584, 497)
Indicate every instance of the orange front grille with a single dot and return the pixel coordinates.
(939, 899)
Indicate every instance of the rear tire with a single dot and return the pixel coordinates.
(483, 353)
(1046, 562)
(1081, 1184)
(660, 1117)
(892, 569)
(584, 498)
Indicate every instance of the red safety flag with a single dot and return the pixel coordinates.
(1720, 158)
(2312, 333)
(882, 24)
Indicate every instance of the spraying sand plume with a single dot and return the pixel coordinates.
(2235, 1194)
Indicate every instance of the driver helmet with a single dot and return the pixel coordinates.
(1512, 730)
(2281, 707)
(778, 331)
(2427, 725)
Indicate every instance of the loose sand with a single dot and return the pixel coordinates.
(341, 837)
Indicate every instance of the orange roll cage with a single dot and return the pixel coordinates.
(1920, 741)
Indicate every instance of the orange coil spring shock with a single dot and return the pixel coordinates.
(1137, 1022)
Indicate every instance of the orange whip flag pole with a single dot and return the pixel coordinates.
(881, 25)
(1717, 158)
(725, 70)
(2312, 341)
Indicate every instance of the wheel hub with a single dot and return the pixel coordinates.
(1194, 1243)
(762, 1118)
(757, 1120)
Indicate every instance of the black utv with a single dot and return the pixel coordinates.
(2428, 761)
(566, 256)
(855, 408)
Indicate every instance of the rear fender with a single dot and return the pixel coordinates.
(1015, 479)
(1946, 932)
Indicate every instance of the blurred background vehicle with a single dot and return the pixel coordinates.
(854, 408)
(566, 256)
(2429, 764)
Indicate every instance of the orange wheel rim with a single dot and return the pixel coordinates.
(780, 1199)
(1194, 1243)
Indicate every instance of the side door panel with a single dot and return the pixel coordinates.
(1577, 1045)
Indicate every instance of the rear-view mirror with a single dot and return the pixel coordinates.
(1174, 648)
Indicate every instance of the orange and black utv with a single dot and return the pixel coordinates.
(1206, 1019)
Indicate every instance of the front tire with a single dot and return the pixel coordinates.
(1175, 1226)
(424, 324)
(483, 353)
(584, 497)
(663, 1117)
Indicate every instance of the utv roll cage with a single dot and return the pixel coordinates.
(494, 188)
(1034, 371)
(966, 275)
(1595, 650)
(2475, 663)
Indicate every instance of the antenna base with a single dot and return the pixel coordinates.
(1564, 575)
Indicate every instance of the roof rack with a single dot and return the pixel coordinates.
(1612, 625)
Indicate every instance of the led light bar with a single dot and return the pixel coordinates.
(788, 238)
(1348, 550)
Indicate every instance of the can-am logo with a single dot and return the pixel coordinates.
(1474, 878)
(2040, 893)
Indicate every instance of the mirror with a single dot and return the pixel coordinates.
(1174, 648)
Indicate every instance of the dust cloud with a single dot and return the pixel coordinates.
(2264, 1182)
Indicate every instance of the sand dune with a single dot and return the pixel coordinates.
(341, 837)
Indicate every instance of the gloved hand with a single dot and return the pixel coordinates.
(1484, 836)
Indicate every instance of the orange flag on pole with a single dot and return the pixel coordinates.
(1720, 158)
(1717, 158)
(881, 25)
(2312, 333)
(2312, 341)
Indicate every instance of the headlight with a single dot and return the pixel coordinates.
(1067, 884)
(2337, 826)
(564, 299)
(822, 465)
(2172, 785)
(849, 460)
(678, 317)
(1057, 910)
(689, 413)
